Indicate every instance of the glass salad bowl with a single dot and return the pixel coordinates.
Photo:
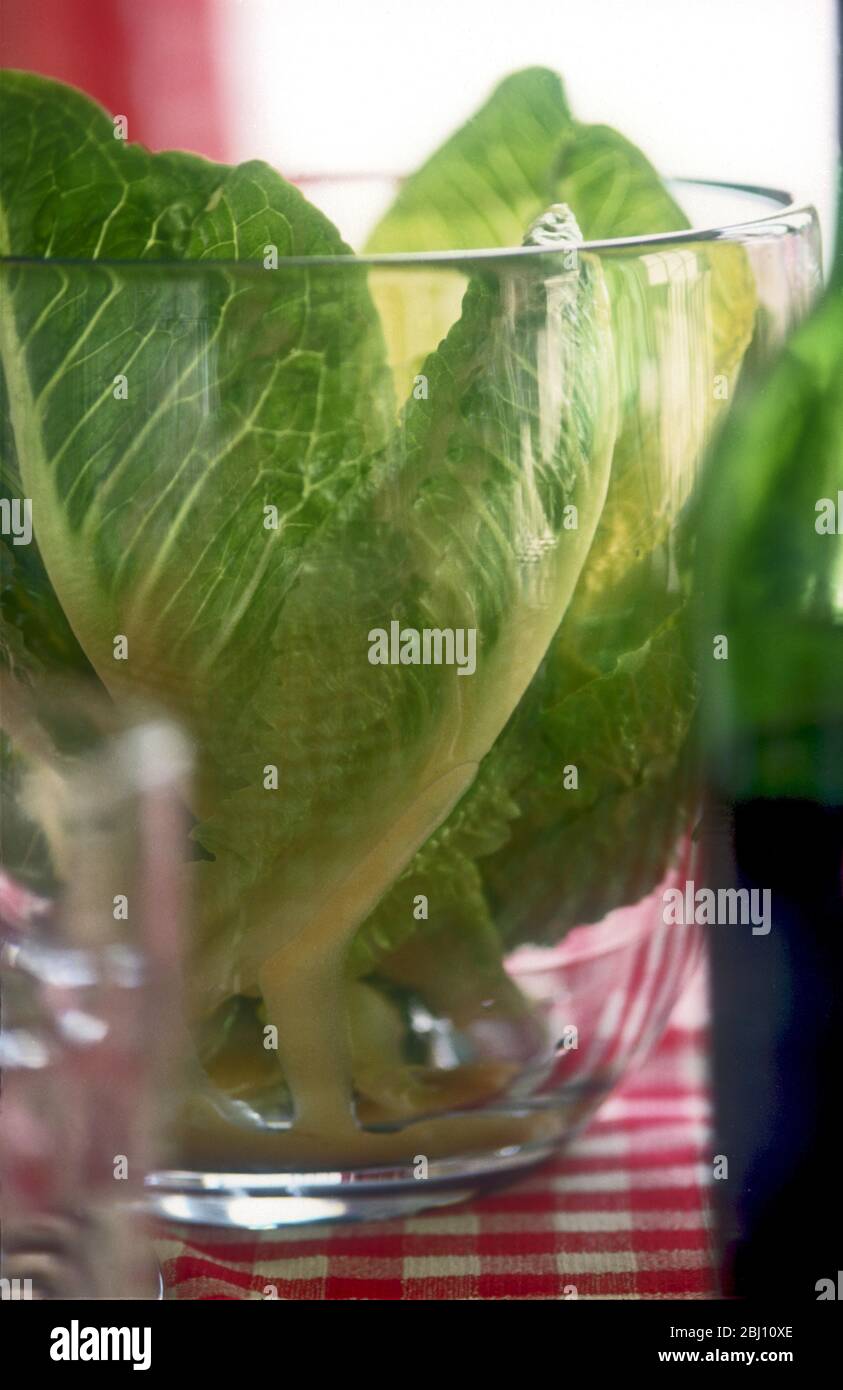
(403, 543)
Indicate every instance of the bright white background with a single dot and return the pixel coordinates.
(730, 89)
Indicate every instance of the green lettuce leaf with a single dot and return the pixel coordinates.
(489, 181)
(611, 185)
(463, 526)
(483, 187)
(250, 389)
(245, 391)
(619, 667)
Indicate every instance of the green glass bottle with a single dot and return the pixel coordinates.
(770, 552)
(771, 546)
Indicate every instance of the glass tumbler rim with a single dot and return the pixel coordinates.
(785, 216)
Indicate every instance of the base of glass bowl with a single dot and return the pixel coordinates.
(616, 981)
(222, 1202)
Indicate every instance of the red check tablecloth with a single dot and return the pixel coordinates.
(623, 1213)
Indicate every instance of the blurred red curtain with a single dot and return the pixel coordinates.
(152, 61)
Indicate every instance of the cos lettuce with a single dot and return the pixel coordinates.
(263, 492)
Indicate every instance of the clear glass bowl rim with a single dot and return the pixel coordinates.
(785, 218)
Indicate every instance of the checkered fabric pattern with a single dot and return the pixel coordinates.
(624, 1212)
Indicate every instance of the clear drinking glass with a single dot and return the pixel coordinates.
(425, 619)
(91, 926)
